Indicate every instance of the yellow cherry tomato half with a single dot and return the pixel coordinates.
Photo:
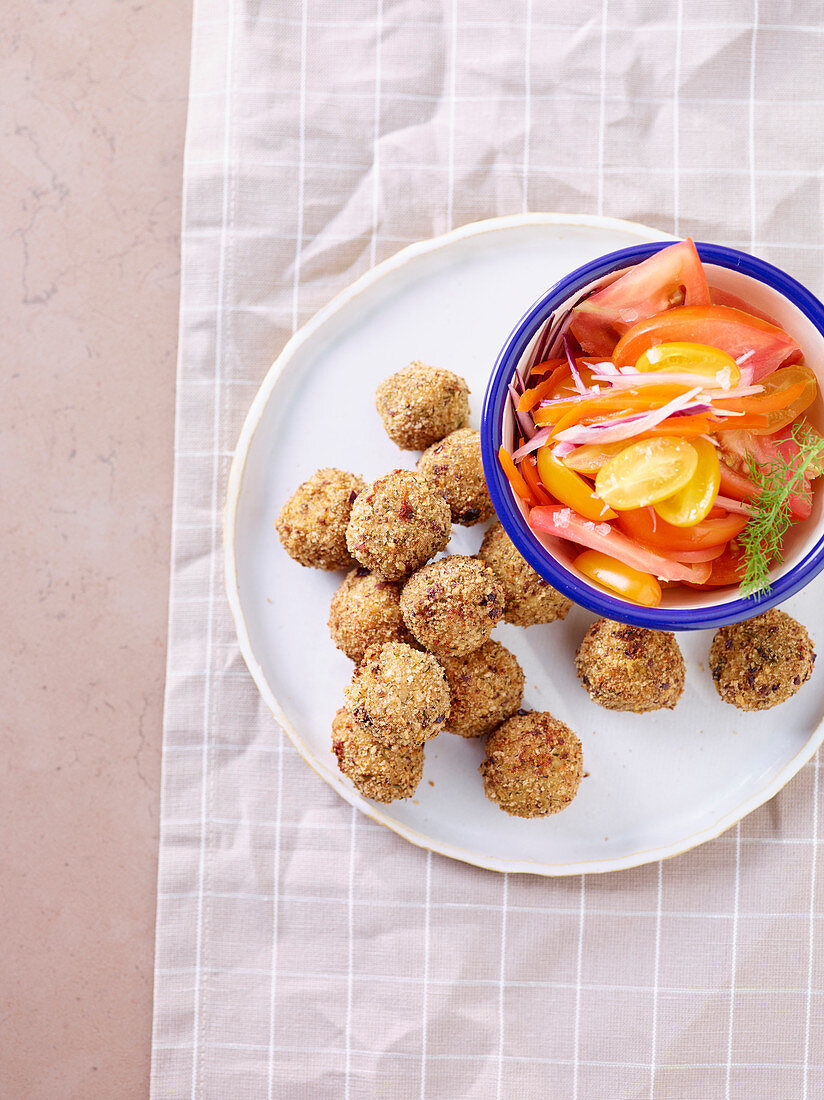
(646, 472)
(570, 488)
(613, 575)
(694, 502)
(680, 358)
(589, 458)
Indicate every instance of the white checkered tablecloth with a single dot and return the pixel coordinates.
(302, 950)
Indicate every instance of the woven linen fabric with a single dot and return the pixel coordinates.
(302, 950)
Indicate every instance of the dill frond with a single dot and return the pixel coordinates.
(762, 540)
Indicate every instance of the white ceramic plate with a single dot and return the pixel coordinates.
(657, 784)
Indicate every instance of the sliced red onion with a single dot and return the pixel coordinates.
(548, 402)
(561, 450)
(733, 505)
(653, 515)
(692, 410)
(525, 421)
(562, 319)
(556, 337)
(544, 339)
(538, 439)
(625, 380)
(655, 378)
(573, 367)
(739, 391)
(746, 369)
(607, 368)
(523, 369)
(528, 361)
(626, 427)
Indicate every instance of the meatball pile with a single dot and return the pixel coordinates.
(417, 630)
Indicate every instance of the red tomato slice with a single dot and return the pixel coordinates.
(727, 569)
(663, 537)
(736, 485)
(738, 445)
(720, 297)
(719, 326)
(672, 277)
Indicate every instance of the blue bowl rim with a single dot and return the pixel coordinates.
(601, 603)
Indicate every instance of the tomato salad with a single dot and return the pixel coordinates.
(667, 438)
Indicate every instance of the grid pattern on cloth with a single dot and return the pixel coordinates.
(302, 950)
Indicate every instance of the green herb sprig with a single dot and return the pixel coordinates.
(762, 540)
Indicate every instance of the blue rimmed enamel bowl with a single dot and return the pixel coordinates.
(765, 288)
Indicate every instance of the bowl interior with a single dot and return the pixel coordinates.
(802, 537)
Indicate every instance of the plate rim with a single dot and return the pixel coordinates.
(230, 511)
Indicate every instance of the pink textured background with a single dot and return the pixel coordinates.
(94, 117)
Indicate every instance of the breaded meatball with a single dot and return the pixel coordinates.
(397, 524)
(486, 688)
(629, 667)
(762, 662)
(380, 772)
(312, 523)
(399, 695)
(420, 405)
(451, 605)
(529, 599)
(365, 611)
(533, 765)
(454, 469)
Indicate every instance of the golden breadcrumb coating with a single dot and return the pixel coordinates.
(762, 662)
(397, 524)
(365, 611)
(312, 523)
(381, 772)
(399, 694)
(451, 605)
(629, 667)
(420, 404)
(454, 469)
(530, 600)
(486, 688)
(534, 765)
